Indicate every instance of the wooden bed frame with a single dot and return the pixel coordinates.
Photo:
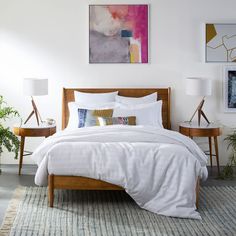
(83, 183)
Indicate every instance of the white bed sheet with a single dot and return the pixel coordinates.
(158, 168)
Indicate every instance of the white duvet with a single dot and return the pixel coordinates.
(158, 168)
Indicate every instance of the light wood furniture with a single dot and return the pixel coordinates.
(26, 131)
(209, 130)
(163, 94)
(82, 183)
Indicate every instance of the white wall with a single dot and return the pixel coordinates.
(49, 39)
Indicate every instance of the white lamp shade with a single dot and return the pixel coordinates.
(35, 87)
(198, 86)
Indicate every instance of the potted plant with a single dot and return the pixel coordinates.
(7, 139)
(228, 171)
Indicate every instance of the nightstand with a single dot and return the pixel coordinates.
(212, 131)
(31, 131)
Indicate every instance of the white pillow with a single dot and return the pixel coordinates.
(135, 101)
(94, 98)
(73, 110)
(148, 114)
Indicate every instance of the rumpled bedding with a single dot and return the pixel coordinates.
(158, 168)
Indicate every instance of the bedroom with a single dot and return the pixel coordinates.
(50, 40)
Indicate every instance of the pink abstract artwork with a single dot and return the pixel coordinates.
(118, 33)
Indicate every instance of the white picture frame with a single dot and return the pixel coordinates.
(229, 88)
(220, 42)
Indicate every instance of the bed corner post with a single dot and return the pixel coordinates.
(197, 192)
(51, 189)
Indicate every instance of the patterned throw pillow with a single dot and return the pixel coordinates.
(88, 117)
(130, 120)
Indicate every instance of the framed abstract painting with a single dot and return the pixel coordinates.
(229, 88)
(220, 44)
(118, 33)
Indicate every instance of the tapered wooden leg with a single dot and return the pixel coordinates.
(22, 145)
(199, 117)
(217, 154)
(35, 112)
(197, 192)
(29, 117)
(204, 116)
(210, 148)
(51, 189)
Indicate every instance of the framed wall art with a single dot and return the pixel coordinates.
(229, 80)
(220, 44)
(118, 33)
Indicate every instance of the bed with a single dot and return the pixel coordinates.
(56, 181)
(82, 183)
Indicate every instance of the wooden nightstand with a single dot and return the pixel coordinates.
(27, 131)
(205, 130)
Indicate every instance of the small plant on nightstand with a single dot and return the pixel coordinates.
(7, 138)
(228, 171)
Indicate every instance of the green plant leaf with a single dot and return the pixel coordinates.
(228, 171)
(7, 139)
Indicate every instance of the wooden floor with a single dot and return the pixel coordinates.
(9, 180)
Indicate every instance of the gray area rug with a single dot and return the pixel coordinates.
(113, 213)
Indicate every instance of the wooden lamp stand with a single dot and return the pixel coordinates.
(200, 113)
(35, 112)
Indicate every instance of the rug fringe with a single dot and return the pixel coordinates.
(11, 211)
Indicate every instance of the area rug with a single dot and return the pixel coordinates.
(113, 213)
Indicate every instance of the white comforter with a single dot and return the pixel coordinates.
(158, 168)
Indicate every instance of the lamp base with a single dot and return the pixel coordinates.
(35, 112)
(200, 113)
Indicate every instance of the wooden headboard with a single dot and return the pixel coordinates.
(163, 94)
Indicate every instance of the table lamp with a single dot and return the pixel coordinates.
(199, 87)
(35, 87)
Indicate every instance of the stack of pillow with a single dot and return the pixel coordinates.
(90, 109)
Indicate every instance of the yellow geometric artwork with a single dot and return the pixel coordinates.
(220, 42)
(210, 32)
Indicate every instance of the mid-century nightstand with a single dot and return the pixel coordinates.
(204, 130)
(31, 131)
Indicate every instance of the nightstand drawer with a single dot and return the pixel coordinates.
(34, 132)
(199, 132)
